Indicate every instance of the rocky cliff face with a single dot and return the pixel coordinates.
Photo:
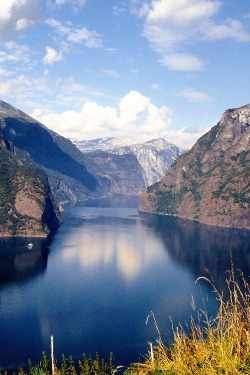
(27, 206)
(116, 174)
(210, 183)
(154, 157)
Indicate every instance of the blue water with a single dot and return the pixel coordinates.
(93, 285)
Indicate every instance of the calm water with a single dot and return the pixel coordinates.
(95, 282)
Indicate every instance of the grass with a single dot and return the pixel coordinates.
(219, 345)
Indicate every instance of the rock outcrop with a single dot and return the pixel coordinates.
(27, 205)
(211, 182)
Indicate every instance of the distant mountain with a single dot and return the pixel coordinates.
(27, 205)
(103, 144)
(211, 182)
(116, 174)
(74, 176)
(154, 156)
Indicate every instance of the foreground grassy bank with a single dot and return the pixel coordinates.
(222, 346)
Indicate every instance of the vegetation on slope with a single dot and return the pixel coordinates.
(27, 206)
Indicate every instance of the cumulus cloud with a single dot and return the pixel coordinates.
(52, 56)
(17, 15)
(173, 26)
(135, 117)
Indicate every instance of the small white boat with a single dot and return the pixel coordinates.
(30, 245)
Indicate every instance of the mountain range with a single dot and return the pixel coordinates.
(211, 182)
(75, 175)
(154, 156)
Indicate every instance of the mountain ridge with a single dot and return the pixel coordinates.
(211, 182)
(73, 175)
(154, 156)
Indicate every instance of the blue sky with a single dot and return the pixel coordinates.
(126, 68)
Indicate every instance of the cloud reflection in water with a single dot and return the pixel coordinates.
(96, 245)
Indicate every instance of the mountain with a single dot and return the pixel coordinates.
(73, 175)
(27, 205)
(116, 174)
(154, 156)
(211, 182)
(45, 148)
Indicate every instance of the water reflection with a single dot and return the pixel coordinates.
(107, 269)
(202, 249)
(18, 263)
(113, 241)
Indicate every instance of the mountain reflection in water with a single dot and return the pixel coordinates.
(201, 248)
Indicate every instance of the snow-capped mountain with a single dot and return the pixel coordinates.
(155, 156)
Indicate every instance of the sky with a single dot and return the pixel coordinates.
(140, 69)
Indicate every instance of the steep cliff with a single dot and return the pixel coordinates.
(27, 206)
(210, 183)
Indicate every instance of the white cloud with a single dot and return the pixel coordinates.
(229, 29)
(17, 15)
(20, 87)
(184, 137)
(90, 39)
(13, 53)
(52, 56)
(76, 4)
(182, 11)
(69, 85)
(22, 24)
(135, 117)
(193, 95)
(4, 72)
(173, 27)
(132, 105)
(182, 62)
